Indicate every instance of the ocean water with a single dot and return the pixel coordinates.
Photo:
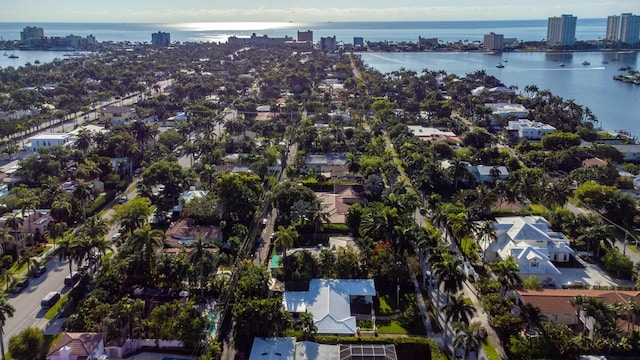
(527, 30)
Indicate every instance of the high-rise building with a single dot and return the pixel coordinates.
(623, 28)
(328, 43)
(493, 41)
(31, 32)
(561, 31)
(629, 28)
(161, 38)
(358, 41)
(613, 28)
(305, 36)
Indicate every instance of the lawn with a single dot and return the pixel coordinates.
(391, 327)
(490, 351)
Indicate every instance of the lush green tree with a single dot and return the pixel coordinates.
(259, 317)
(28, 344)
(306, 324)
(253, 282)
(456, 310)
(133, 214)
(287, 193)
(560, 140)
(239, 195)
(348, 264)
(618, 263)
(284, 238)
(507, 273)
(469, 337)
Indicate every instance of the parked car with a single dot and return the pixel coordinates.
(123, 199)
(423, 212)
(21, 285)
(72, 278)
(115, 237)
(40, 271)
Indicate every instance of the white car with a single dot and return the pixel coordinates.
(116, 236)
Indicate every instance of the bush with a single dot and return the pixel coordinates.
(97, 204)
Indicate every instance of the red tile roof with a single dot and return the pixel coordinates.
(558, 301)
(80, 344)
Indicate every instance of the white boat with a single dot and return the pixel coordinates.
(561, 64)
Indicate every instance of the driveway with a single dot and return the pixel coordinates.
(591, 274)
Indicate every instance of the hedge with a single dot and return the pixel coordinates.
(97, 204)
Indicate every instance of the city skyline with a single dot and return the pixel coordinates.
(167, 11)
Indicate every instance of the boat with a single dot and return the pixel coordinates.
(499, 66)
(561, 64)
(37, 62)
(13, 56)
(5, 54)
(586, 63)
(614, 59)
(605, 62)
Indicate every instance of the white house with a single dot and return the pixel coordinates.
(504, 110)
(329, 301)
(187, 196)
(43, 141)
(631, 152)
(484, 173)
(532, 130)
(534, 246)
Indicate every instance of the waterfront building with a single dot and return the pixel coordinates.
(161, 38)
(493, 42)
(629, 28)
(623, 28)
(358, 41)
(30, 33)
(525, 128)
(328, 43)
(561, 31)
(305, 36)
(255, 40)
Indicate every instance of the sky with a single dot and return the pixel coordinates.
(174, 11)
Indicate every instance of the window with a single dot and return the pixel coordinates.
(534, 263)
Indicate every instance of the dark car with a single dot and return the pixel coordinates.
(423, 212)
(39, 271)
(21, 285)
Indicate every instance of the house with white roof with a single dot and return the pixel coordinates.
(329, 301)
(43, 141)
(534, 246)
(187, 196)
(503, 110)
(484, 173)
(532, 130)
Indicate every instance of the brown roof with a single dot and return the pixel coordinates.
(558, 301)
(183, 230)
(337, 204)
(80, 344)
(593, 162)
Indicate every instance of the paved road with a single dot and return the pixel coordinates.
(27, 303)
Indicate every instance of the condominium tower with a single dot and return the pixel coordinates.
(624, 28)
(493, 42)
(161, 38)
(561, 31)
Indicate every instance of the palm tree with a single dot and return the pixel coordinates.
(458, 310)
(285, 237)
(6, 237)
(200, 255)
(485, 234)
(14, 221)
(459, 172)
(6, 311)
(531, 316)
(83, 192)
(469, 338)
(144, 239)
(83, 140)
(507, 273)
(95, 227)
(67, 248)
